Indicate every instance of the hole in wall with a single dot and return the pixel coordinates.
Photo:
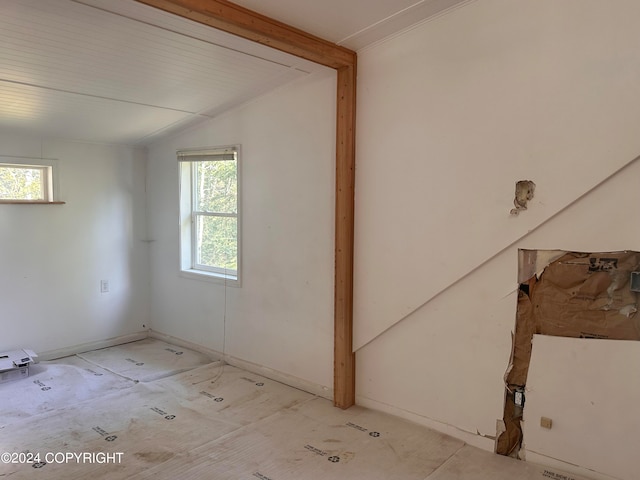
(565, 294)
(525, 190)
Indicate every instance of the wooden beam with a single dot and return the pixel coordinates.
(245, 23)
(231, 18)
(344, 359)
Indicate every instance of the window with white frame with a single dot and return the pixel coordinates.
(26, 180)
(210, 213)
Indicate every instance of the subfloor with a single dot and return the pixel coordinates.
(151, 410)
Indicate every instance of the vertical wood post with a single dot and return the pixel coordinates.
(344, 358)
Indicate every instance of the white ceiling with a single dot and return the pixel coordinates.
(116, 71)
(351, 23)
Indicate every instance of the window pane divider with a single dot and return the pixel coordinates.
(30, 202)
(215, 214)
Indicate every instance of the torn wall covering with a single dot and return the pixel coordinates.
(582, 295)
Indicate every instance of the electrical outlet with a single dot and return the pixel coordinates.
(104, 286)
(546, 422)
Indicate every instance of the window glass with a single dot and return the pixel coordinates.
(217, 242)
(210, 213)
(25, 182)
(216, 184)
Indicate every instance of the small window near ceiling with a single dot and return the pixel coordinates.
(210, 214)
(26, 180)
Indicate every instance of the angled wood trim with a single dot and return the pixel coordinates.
(250, 25)
(245, 23)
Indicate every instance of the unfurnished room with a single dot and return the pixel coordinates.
(285, 239)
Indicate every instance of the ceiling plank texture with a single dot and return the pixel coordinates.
(245, 23)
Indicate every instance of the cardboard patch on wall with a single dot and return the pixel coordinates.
(579, 295)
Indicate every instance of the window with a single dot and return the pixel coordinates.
(26, 180)
(210, 213)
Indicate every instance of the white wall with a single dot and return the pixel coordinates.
(53, 257)
(282, 315)
(451, 114)
(598, 414)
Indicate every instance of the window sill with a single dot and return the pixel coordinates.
(30, 202)
(201, 275)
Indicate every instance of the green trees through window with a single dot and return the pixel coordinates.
(215, 214)
(210, 213)
(18, 182)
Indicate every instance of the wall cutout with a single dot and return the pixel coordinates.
(566, 294)
(524, 193)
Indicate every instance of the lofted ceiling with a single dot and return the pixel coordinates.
(117, 71)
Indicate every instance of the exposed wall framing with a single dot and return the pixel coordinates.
(566, 294)
(253, 26)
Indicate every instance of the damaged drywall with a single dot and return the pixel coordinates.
(524, 192)
(580, 295)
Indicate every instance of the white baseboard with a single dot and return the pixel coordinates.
(290, 380)
(270, 373)
(473, 439)
(87, 347)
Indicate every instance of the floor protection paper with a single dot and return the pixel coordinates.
(189, 418)
(146, 360)
(317, 441)
(231, 393)
(145, 423)
(51, 384)
(476, 464)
